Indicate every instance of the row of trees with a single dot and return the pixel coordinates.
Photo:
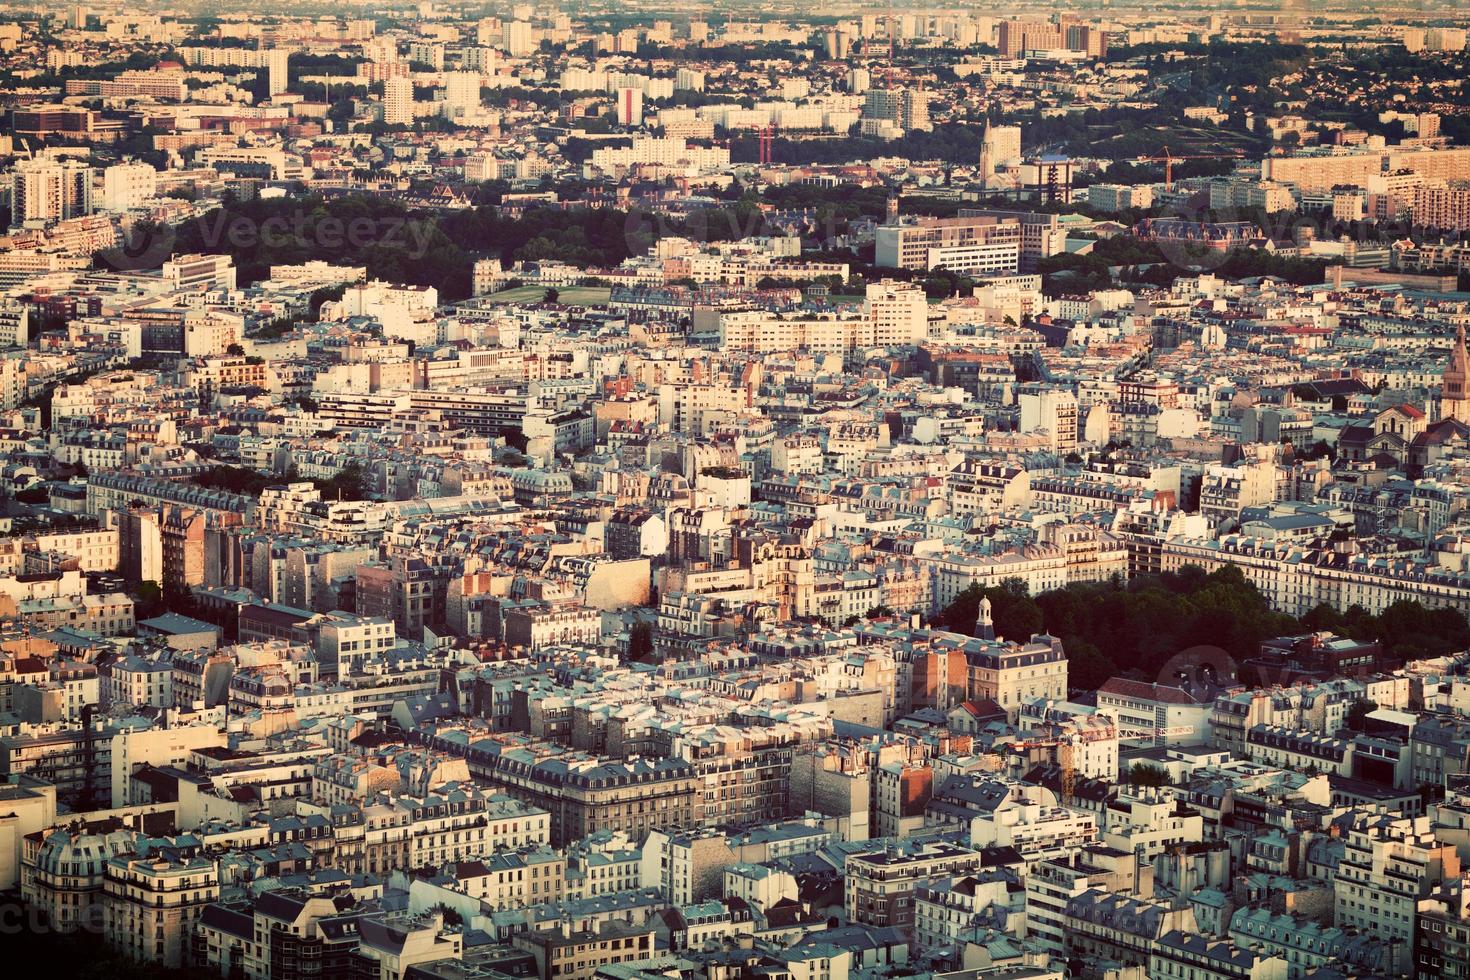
(350, 483)
(1134, 629)
(438, 249)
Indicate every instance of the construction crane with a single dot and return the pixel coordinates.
(1167, 159)
(1155, 733)
(1063, 746)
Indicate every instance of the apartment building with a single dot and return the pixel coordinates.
(570, 955)
(1053, 883)
(1104, 927)
(687, 866)
(976, 246)
(1442, 206)
(151, 903)
(1389, 865)
(1185, 956)
(880, 884)
(586, 794)
(1012, 674)
(1442, 932)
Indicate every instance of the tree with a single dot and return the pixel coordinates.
(350, 483)
(150, 600)
(1357, 714)
(1143, 774)
(640, 641)
(552, 295)
(1014, 613)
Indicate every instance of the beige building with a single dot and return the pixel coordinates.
(880, 884)
(986, 246)
(150, 904)
(1011, 674)
(1390, 863)
(1443, 206)
(564, 955)
(687, 866)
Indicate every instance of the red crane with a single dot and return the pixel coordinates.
(1167, 159)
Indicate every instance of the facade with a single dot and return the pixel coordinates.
(881, 885)
(975, 246)
(1388, 866)
(150, 904)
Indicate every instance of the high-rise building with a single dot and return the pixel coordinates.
(427, 53)
(398, 102)
(908, 109)
(1443, 206)
(478, 58)
(1048, 179)
(1445, 39)
(461, 93)
(630, 107)
(1087, 39)
(274, 61)
(898, 313)
(1020, 36)
(127, 185)
(44, 190)
(1005, 143)
(518, 38)
(913, 110)
(1054, 411)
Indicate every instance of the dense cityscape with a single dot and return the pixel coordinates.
(734, 491)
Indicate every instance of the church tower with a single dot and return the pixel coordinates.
(987, 158)
(1454, 392)
(984, 628)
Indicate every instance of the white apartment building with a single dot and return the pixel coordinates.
(1147, 821)
(897, 313)
(661, 151)
(1389, 864)
(1054, 412)
(45, 190)
(398, 107)
(127, 185)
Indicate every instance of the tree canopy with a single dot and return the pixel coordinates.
(1134, 629)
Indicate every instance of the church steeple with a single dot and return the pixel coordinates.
(1454, 393)
(987, 157)
(984, 628)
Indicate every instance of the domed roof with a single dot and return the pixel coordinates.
(81, 855)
